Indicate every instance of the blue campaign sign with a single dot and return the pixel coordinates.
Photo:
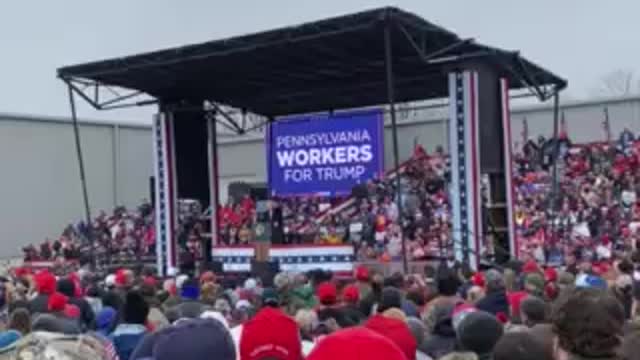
(324, 154)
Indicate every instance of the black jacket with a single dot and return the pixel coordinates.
(495, 303)
(39, 304)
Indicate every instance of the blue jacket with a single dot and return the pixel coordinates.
(126, 337)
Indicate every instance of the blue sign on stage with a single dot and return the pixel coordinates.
(324, 154)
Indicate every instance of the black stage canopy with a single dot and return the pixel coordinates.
(335, 63)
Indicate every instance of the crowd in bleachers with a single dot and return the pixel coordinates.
(369, 219)
(121, 234)
(591, 213)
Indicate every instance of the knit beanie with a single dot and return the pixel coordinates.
(479, 332)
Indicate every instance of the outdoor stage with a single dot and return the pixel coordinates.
(368, 60)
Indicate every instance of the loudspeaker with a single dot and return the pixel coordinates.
(265, 271)
(215, 266)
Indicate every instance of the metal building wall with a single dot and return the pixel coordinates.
(39, 183)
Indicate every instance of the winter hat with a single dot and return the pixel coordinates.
(395, 330)
(356, 343)
(56, 302)
(391, 298)
(327, 293)
(195, 339)
(362, 273)
(534, 283)
(479, 332)
(270, 334)
(190, 290)
(351, 294)
(45, 282)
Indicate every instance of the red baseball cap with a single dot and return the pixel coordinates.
(478, 279)
(327, 293)
(356, 343)
(56, 302)
(395, 330)
(550, 275)
(351, 294)
(362, 273)
(270, 334)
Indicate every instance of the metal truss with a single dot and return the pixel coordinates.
(106, 97)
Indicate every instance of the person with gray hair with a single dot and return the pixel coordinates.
(495, 301)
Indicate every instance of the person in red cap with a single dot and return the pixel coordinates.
(395, 330)
(45, 285)
(350, 308)
(270, 335)
(356, 344)
(531, 267)
(60, 316)
(362, 278)
(327, 295)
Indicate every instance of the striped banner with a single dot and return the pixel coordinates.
(339, 258)
(165, 192)
(464, 147)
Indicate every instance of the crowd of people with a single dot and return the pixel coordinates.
(370, 221)
(519, 311)
(120, 235)
(591, 213)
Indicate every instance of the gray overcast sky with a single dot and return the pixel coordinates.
(578, 39)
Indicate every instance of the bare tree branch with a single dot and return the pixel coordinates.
(621, 82)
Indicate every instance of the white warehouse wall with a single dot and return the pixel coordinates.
(40, 188)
